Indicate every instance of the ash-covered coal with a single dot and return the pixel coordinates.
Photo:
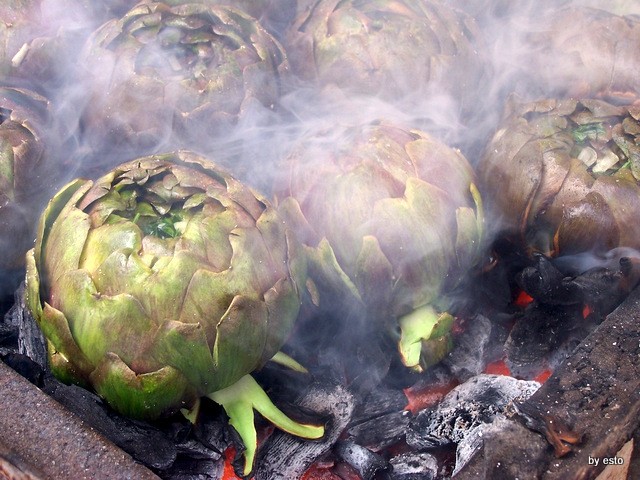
(367, 463)
(477, 401)
(414, 466)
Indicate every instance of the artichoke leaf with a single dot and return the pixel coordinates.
(373, 274)
(184, 347)
(240, 339)
(101, 323)
(142, 396)
(70, 229)
(325, 270)
(73, 190)
(283, 302)
(55, 327)
(105, 239)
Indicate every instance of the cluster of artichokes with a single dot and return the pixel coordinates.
(166, 279)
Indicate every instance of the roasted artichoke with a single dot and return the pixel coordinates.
(562, 176)
(164, 281)
(26, 170)
(391, 219)
(576, 51)
(403, 51)
(180, 75)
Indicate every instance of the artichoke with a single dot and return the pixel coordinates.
(274, 15)
(579, 52)
(562, 176)
(26, 173)
(189, 70)
(391, 218)
(40, 40)
(398, 50)
(164, 281)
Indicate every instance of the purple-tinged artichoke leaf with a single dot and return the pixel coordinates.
(161, 292)
(586, 223)
(122, 271)
(69, 229)
(52, 211)
(216, 250)
(373, 274)
(240, 339)
(281, 300)
(184, 347)
(105, 239)
(142, 396)
(324, 267)
(101, 323)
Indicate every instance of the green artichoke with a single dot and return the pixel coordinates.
(562, 176)
(189, 70)
(164, 281)
(398, 50)
(26, 172)
(392, 218)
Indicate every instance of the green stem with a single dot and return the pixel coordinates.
(286, 361)
(240, 399)
(423, 337)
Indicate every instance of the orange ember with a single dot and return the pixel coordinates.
(523, 299)
(498, 368)
(427, 396)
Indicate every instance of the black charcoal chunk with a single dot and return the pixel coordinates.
(283, 456)
(31, 342)
(364, 461)
(383, 431)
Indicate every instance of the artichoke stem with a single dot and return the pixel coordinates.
(423, 337)
(286, 361)
(240, 399)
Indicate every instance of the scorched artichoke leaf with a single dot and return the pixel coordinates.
(562, 175)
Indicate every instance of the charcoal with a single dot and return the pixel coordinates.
(211, 428)
(31, 342)
(144, 442)
(380, 432)
(8, 338)
(25, 367)
(284, 456)
(537, 337)
(378, 402)
(473, 349)
(364, 461)
(185, 468)
(547, 284)
(503, 449)
(477, 401)
(414, 466)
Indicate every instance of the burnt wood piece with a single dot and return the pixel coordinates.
(599, 384)
(53, 442)
(283, 456)
(363, 461)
